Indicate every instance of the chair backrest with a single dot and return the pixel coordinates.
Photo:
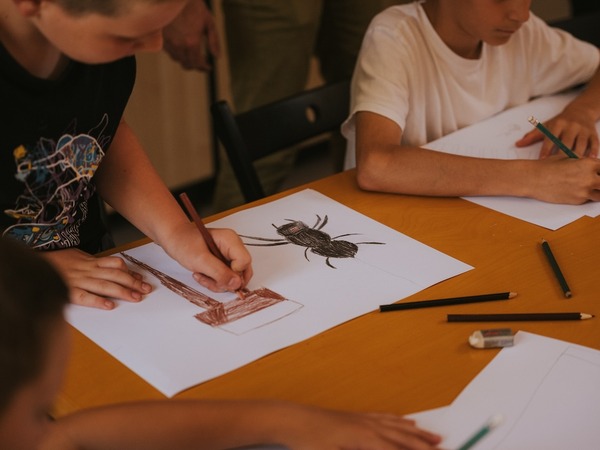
(585, 27)
(254, 134)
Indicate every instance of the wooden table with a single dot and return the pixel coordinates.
(404, 361)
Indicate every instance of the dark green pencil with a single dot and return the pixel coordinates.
(556, 269)
(536, 123)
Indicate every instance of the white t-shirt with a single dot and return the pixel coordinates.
(406, 73)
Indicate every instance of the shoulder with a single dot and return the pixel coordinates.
(398, 30)
(396, 19)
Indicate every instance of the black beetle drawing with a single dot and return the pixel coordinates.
(315, 240)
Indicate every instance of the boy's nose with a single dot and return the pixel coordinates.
(520, 11)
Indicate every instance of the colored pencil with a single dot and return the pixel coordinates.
(479, 434)
(556, 269)
(210, 242)
(518, 317)
(536, 123)
(447, 301)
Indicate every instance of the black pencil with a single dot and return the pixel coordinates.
(556, 269)
(447, 301)
(518, 317)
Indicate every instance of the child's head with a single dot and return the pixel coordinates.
(100, 31)
(109, 8)
(33, 343)
(464, 23)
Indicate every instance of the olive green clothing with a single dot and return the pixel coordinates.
(270, 45)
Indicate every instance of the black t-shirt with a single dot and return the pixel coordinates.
(53, 135)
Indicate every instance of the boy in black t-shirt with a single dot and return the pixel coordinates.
(34, 346)
(66, 72)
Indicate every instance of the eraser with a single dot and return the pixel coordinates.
(496, 337)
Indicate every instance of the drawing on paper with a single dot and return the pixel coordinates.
(219, 314)
(315, 240)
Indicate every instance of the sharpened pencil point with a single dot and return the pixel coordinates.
(512, 295)
(533, 121)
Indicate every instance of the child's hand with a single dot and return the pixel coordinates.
(190, 250)
(574, 127)
(563, 180)
(93, 280)
(192, 36)
(316, 429)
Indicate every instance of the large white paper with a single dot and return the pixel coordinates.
(495, 138)
(163, 342)
(547, 391)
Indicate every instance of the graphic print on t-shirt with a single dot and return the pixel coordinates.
(57, 179)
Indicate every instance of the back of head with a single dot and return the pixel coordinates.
(32, 298)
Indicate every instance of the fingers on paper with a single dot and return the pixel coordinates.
(403, 433)
(530, 138)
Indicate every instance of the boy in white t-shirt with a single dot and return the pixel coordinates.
(429, 68)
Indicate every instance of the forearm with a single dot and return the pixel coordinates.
(171, 424)
(128, 182)
(418, 171)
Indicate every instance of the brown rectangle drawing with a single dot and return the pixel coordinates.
(217, 313)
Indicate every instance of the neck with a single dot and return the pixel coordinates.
(449, 31)
(27, 45)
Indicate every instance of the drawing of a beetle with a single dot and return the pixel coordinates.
(315, 240)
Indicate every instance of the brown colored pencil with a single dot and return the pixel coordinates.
(210, 242)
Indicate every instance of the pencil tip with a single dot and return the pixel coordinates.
(512, 294)
(568, 294)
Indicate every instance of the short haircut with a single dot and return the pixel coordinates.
(32, 299)
(109, 8)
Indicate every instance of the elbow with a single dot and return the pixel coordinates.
(365, 180)
(370, 174)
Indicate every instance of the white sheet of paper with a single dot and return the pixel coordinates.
(161, 340)
(547, 391)
(495, 138)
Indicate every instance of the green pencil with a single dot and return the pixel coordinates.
(479, 434)
(536, 123)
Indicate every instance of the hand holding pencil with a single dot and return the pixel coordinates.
(571, 132)
(236, 258)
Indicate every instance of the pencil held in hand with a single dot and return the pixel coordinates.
(210, 242)
(546, 132)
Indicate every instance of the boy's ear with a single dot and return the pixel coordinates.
(28, 8)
